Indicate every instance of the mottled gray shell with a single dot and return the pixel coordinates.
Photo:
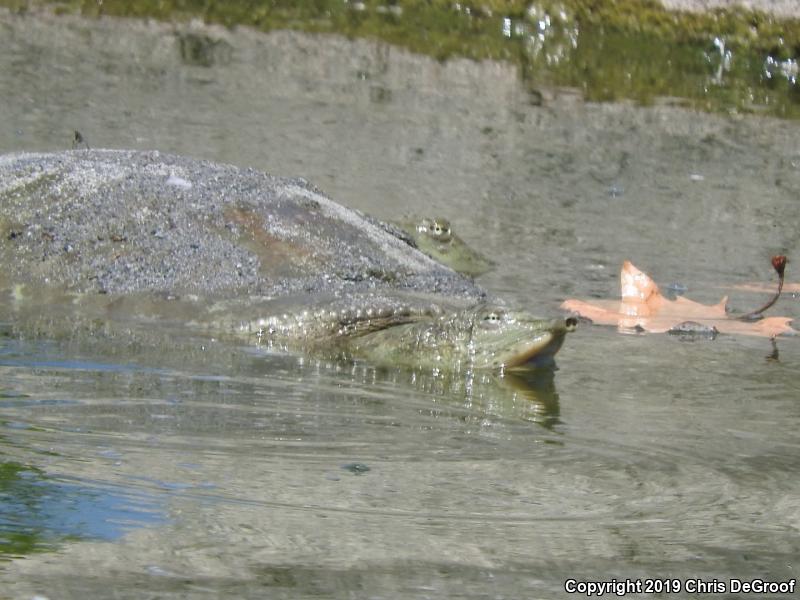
(113, 221)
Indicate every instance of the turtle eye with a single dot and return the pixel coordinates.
(492, 319)
(440, 230)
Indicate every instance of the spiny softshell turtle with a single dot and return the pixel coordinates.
(114, 232)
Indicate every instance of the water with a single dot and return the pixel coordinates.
(203, 469)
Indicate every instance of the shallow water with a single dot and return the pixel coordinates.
(198, 468)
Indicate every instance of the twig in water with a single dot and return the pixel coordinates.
(779, 264)
(78, 140)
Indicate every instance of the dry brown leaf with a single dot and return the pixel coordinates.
(643, 307)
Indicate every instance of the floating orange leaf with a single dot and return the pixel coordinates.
(642, 307)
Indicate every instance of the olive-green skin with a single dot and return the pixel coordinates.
(435, 237)
(483, 337)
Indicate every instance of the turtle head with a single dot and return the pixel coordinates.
(483, 337)
(437, 229)
(504, 339)
(435, 237)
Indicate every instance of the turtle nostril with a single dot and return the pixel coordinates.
(571, 323)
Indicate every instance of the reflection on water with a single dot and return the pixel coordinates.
(37, 511)
(725, 61)
(236, 470)
(312, 476)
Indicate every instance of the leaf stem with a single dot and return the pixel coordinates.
(779, 264)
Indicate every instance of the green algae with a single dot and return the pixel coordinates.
(728, 61)
(17, 541)
(40, 513)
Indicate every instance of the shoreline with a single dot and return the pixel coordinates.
(711, 55)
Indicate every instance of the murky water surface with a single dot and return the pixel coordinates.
(207, 470)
